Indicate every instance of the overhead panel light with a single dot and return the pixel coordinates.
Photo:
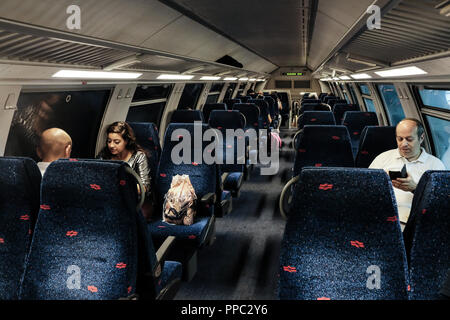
(80, 74)
(260, 80)
(252, 79)
(230, 79)
(336, 79)
(210, 78)
(174, 77)
(359, 76)
(345, 78)
(400, 72)
(243, 79)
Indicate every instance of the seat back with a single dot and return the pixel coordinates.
(230, 103)
(251, 114)
(322, 146)
(263, 111)
(332, 103)
(245, 99)
(355, 121)
(341, 241)
(85, 242)
(186, 116)
(231, 119)
(20, 181)
(374, 141)
(147, 137)
(209, 107)
(340, 108)
(310, 101)
(205, 178)
(314, 107)
(316, 118)
(427, 236)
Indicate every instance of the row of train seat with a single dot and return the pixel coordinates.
(83, 238)
(338, 245)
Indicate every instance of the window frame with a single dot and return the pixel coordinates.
(424, 110)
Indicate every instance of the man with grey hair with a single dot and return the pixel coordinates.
(410, 134)
(54, 144)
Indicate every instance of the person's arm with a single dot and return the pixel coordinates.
(143, 170)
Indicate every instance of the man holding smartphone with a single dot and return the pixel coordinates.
(411, 156)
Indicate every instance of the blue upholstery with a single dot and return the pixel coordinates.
(147, 137)
(427, 235)
(230, 103)
(263, 112)
(245, 99)
(209, 107)
(336, 232)
(334, 102)
(310, 101)
(314, 107)
(326, 99)
(374, 141)
(251, 114)
(322, 146)
(340, 109)
(172, 272)
(322, 96)
(315, 118)
(204, 179)
(186, 116)
(87, 220)
(20, 181)
(355, 121)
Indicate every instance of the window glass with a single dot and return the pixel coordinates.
(216, 87)
(440, 132)
(391, 103)
(364, 89)
(369, 105)
(230, 90)
(347, 98)
(79, 113)
(436, 98)
(190, 95)
(353, 93)
(212, 98)
(146, 113)
(147, 92)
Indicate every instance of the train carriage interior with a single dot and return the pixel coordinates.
(275, 111)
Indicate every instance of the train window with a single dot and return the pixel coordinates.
(369, 104)
(230, 90)
(440, 131)
(435, 98)
(190, 95)
(212, 98)
(391, 103)
(216, 87)
(150, 112)
(79, 113)
(353, 94)
(364, 89)
(347, 98)
(147, 92)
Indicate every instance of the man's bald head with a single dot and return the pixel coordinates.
(55, 143)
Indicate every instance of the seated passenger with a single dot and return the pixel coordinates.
(121, 145)
(409, 134)
(54, 144)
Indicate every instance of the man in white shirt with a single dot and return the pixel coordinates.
(54, 144)
(409, 134)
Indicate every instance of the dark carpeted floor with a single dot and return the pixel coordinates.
(242, 263)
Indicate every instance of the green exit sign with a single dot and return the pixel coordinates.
(292, 74)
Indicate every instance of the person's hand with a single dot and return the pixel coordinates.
(405, 184)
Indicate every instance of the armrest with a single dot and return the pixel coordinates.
(161, 255)
(209, 198)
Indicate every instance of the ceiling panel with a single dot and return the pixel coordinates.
(253, 22)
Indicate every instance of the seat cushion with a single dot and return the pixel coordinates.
(196, 232)
(233, 181)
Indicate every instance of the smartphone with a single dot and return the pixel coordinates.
(398, 174)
